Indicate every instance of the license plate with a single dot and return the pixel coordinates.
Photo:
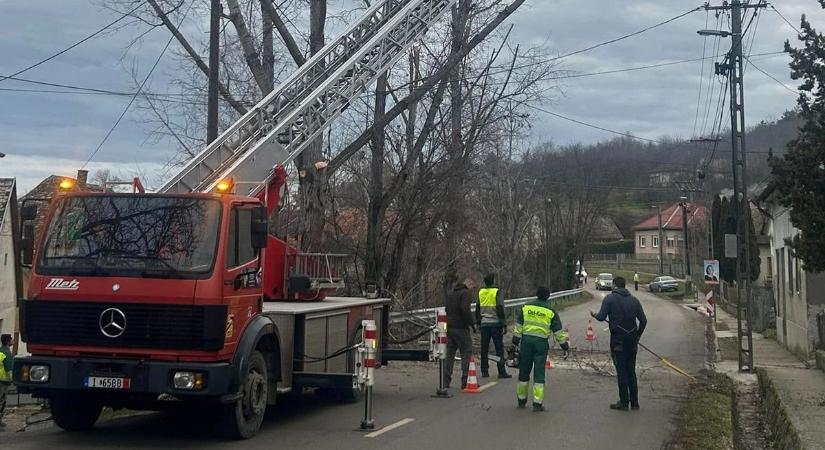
(107, 383)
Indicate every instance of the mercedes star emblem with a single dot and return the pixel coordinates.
(115, 287)
(112, 322)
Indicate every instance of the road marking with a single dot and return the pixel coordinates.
(487, 385)
(391, 427)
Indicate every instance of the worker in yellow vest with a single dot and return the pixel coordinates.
(535, 323)
(493, 324)
(6, 365)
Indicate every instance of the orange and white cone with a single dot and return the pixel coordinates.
(548, 363)
(590, 335)
(472, 378)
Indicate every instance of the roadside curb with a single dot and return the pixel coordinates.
(776, 415)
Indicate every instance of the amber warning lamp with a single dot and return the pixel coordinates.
(66, 185)
(225, 186)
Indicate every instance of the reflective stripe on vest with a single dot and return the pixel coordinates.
(487, 302)
(537, 320)
(4, 375)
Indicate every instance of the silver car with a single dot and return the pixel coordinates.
(604, 282)
(664, 284)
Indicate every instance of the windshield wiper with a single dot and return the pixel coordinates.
(90, 269)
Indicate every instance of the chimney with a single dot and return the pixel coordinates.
(82, 177)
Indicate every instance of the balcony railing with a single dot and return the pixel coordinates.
(325, 270)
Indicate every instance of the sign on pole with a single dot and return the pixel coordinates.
(730, 246)
(711, 271)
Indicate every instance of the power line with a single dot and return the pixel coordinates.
(140, 88)
(786, 20)
(788, 88)
(570, 119)
(701, 76)
(101, 30)
(172, 98)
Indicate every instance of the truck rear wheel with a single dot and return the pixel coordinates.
(243, 419)
(73, 413)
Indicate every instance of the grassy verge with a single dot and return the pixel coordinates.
(705, 418)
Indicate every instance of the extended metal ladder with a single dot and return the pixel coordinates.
(287, 120)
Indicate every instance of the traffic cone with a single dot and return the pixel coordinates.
(591, 335)
(472, 378)
(548, 363)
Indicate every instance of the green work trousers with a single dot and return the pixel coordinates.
(532, 355)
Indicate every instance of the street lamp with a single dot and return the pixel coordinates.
(720, 33)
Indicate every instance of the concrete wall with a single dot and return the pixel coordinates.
(8, 313)
(792, 289)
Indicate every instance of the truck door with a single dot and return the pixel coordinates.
(242, 272)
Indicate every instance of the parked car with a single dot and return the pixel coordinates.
(604, 282)
(663, 284)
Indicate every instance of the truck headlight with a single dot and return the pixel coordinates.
(189, 381)
(39, 374)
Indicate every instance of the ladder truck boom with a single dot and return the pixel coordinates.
(287, 120)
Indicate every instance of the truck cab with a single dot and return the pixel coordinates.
(146, 301)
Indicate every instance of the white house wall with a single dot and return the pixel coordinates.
(7, 273)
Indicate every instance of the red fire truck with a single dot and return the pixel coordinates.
(185, 298)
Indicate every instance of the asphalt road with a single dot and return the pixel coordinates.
(578, 394)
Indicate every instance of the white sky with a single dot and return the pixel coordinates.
(45, 134)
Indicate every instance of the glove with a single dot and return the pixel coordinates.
(566, 347)
(516, 341)
(504, 330)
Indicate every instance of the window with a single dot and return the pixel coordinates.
(655, 241)
(670, 242)
(769, 275)
(642, 241)
(790, 271)
(239, 248)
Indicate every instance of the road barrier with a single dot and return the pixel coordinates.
(367, 372)
(429, 313)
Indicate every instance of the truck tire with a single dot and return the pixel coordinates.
(242, 419)
(73, 413)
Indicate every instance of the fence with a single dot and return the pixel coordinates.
(672, 265)
(428, 314)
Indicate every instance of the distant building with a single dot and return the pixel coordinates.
(800, 305)
(647, 232)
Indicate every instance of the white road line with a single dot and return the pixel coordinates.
(487, 385)
(391, 427)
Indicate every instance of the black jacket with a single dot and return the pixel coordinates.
(458, 303)
(624, 311)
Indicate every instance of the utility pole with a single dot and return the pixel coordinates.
(739, 169)
(686, 247)
(661, 249)
(214, 71)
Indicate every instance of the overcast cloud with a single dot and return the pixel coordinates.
(45, 134)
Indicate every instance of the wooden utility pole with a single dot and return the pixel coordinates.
(214, 71)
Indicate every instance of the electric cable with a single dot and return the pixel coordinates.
(101, 30)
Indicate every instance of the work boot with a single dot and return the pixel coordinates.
(619, 406)
(634, 406)
(522, 403)
(485, 374)
(504, 375)
(538, 407)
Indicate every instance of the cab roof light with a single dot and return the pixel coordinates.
(66, 185)
(225, 186)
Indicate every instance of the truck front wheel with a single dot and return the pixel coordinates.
(243, 419)
(73, 413)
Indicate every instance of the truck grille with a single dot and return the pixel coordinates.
(180, 327)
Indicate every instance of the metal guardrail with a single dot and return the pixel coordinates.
(429, 313)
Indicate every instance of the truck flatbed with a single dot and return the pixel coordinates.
(328, 304)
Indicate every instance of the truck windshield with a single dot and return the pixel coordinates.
(126, 235)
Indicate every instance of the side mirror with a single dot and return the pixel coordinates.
(259, 228)
(28, 212)
(26, 252)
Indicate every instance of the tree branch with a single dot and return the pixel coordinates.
(452, 62)
(269, 9)
(250, 53)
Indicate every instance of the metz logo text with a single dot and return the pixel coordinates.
(59, 284)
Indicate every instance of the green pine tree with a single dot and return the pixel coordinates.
(800, 174)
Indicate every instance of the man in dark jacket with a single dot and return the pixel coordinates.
(627, 323)
(459, 323)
